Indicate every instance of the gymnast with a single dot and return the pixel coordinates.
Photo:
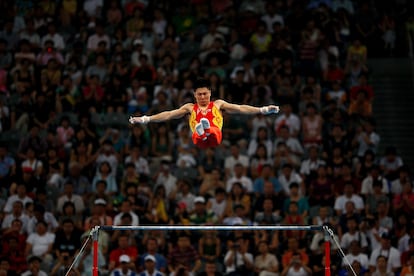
(206, 119)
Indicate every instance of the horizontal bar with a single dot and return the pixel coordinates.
(214, 227)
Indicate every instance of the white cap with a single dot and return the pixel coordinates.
(150, 258)
(100, 201)
(199, 199)
(237, 221)
(138, 41)
(124, 259)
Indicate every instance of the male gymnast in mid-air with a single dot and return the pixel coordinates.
(206, 119)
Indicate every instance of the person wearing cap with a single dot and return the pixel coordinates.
(152, 248)
(201, 214)
(392, 255)
(34, 267)
(206, 118)
(124, 267)
(150, 267)
(99, 211)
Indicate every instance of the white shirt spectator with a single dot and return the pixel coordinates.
(345, 4)
(294, 177)
(392, 254)
(111, 159)
(272, 19)
(169, 182)
(231, 161)
(308, 166)
(135, 219)
(403, 243)
(366, 186)
(341, 201)
(361, 258)
(94, 40)
(292, 143)
(141, 165)
(347, 238)
(8, 219)
(10, 201)
(57, 39)
(239, 260)
(91, 7)
(396, 187)
(33, 38)
(135, 57)
(395, 165)
(372, 235)
(75, 199)
(50, 220)
(244, 180)
(363, 146)
(40, 244)
(218, 208)
(292, 121)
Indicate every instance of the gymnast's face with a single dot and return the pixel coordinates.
(202, 96)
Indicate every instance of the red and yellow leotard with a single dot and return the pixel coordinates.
(213, 115)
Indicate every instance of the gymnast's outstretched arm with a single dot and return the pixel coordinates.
(163, 116)
(246, 109)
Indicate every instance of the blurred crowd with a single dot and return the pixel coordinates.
(72, 72)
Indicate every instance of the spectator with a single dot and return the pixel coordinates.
(123, 248)
(291, 251)
(21, 195)
(374, 177)
(353, 234)
(16, 213)
(381, 268)
(391, 163)
(348, 195)
(266, 263)
(34, 267)
(40, 244)
(67, 240)
(296, 267)
(294, 196)
(124, 267)
(183, 258)
(289, 176)
(392, 257)
(237, 258)
(241, 177)
(69, 195)
(40, 214)
(52, 35)
(289, 119)
(270, 215)
(152, 249)
(99, 211)
(85, 261)
(150, 267)
(105, 174)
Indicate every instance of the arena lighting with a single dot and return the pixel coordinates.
(329, 235)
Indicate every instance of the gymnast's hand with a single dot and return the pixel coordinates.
(139, 120)
(270, 109)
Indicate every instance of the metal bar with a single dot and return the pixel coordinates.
(214, 227)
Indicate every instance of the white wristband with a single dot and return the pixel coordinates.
(264, 110)
(145, 119)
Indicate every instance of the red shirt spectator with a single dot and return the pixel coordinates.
(124, 248)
